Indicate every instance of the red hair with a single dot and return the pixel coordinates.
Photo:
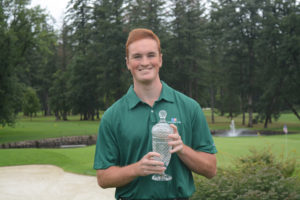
(141, 33)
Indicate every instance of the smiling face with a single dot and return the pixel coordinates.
(144, 60)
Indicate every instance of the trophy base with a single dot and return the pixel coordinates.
(161, 177)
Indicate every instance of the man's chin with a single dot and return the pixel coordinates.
(145, 81)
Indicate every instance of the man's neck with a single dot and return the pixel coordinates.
(148, 93)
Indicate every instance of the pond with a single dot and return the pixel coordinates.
(233, 132)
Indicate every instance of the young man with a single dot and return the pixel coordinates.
(124, 157)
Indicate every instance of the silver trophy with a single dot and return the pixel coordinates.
(160, 132)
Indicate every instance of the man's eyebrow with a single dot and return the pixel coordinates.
(148, 53)
(136, 54)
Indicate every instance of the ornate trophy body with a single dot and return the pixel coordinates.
(160, 132)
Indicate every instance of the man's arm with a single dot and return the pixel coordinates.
(116, 176)
(199, 162)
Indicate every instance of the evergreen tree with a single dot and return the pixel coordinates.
(59, 95)
(23, 52)
(83, 77)
(9, 87)
(146, 14)
(109, 51)
(279, 35)
(188, 49)
(213, 69)
(240, 25)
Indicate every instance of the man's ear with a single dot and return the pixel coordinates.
(127, 62)
(160, 60)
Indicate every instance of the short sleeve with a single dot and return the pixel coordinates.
(202, 138)
(107, 151)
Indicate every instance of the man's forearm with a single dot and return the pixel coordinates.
(115, 176)
(199, 162)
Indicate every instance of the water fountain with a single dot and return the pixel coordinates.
(234, 132)
(241, 132)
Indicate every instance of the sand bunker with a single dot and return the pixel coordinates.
(43, 182)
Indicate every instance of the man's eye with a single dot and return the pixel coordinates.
(137, 56)
(151, 55)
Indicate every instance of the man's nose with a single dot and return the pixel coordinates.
(145, 61)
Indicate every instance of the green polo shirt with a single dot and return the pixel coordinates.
(125, 137)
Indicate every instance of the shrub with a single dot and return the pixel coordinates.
(255, 177)
(31, 102)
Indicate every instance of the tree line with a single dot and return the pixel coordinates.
(234, 56)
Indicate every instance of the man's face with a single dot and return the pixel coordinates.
(144, 60)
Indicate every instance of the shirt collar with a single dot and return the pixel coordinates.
(166, 94)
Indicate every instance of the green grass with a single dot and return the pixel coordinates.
(46, 127)
(77, 160)
(223, 122)
(80, 160)
(283, 147)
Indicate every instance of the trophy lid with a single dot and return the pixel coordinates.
(162, 127)
(162, 115)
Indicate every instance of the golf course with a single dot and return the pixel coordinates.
(80, 160)
(263, 153)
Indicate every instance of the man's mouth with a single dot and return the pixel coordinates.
(145, 68)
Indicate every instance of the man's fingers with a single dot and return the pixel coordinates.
(176, 149)
(175, 131)
(155, 170)
(152, 154)
(149, 165)
(155, 163)
(174, 143)
(174, 136)
(149, 159)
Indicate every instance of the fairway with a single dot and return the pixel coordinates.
(47, 127)
(282, 147)
(80, 160)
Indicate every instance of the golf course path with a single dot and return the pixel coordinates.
(43, 182)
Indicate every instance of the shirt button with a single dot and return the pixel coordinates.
(152, 111)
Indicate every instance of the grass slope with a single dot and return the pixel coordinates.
(46, 127)
(80, 160)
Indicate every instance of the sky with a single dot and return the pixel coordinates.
(55, 8)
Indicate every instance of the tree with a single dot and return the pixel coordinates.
(241, 24)
(83, 75)
(59, 95)
(290, 50)
(110, 36)
(147, 14)
(59, 92)
(187, 48)
(280, 61)
(31, 103)
(8, 86)
(213, 68)
(22, 38)
(42, 59)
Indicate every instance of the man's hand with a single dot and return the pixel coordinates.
(199, 162)
(147, 165)
(176, 142)
(116, 176)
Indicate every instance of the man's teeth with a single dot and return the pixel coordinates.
(145, 69)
